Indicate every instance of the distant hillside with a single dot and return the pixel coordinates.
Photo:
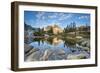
(27, 27)
(30, 28)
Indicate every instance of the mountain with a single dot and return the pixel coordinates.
(29, 32)
(30, 28)
(27, 27)
(54, 28)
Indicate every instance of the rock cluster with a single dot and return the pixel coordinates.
(35, 54)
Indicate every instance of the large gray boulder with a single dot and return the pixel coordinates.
(34, 56)
(32, 51)
(27, 48)
(47, 54)
(76, 56)
(60, 52)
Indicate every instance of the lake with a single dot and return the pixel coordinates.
(55, 48)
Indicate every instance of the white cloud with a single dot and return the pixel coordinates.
(40, 19)
(60, 16)
(83, 17)
(65, 16)
(52, 16)
(40, 14)
(43, 17)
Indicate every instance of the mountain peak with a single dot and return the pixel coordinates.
(55, 28)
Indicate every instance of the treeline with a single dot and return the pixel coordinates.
(73, 28)
(69, 28)
(41, 32)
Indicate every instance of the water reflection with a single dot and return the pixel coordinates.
(54, 41)
(55, 48)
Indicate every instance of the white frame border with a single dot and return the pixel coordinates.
(23, 64)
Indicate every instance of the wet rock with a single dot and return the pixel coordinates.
(84, 42)
(80, 41)
(47, 54)
(35, 56)
(84, 48)
(76, 56)
(60, 52)
(27, 48)
(88, 44)
(32, 51)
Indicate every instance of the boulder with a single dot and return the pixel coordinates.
(47, 54)
(76, 56)
(32, 51)
(84, 43)
(88, 44)
(35, 56)
(81, 47)
(60, 52)
(27, 48)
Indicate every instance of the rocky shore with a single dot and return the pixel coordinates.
(35, 54)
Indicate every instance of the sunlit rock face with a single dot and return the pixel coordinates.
(57, 29)
(54, 28)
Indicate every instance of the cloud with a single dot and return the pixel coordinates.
(65, 16)
(83, 17)
(60, 16)
(43, 18)
(40, 19)
(52, 15)
(39, 15)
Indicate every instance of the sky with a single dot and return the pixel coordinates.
(40, 19)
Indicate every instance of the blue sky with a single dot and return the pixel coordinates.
(42, 19)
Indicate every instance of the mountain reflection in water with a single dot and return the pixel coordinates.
(55, 48)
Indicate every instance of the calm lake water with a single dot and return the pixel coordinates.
(52, 43)
(57, 45)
